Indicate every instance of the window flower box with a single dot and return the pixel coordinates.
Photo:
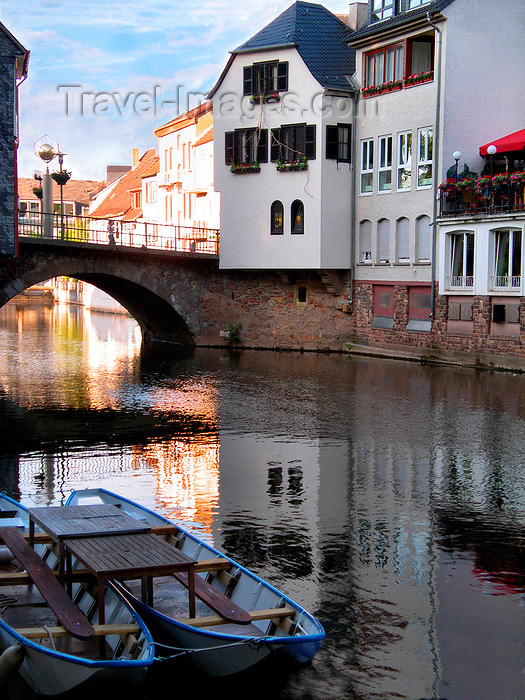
(380, 89)
(517, 177)
(465, 184)
(300, 164)
(501, 179)
(417, 78)
(241, 168)
(265, 97)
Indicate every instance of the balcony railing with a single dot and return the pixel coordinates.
(122, 234)
(460, 282)
(481, 197)
(503, 283)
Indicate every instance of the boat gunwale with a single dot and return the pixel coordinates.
(317, 636)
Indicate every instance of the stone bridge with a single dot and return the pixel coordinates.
(164, 291)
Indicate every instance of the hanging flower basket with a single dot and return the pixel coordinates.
(37, 191)
(61, 177)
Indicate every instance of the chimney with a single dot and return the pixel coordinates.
(357, 15)
(135, 158)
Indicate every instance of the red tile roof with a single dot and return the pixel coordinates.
(118, 201)
(81, 191)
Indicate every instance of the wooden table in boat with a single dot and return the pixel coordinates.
(68, 522)
(127, 557)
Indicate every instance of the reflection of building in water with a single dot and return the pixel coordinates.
(187, 478)
(279, 482)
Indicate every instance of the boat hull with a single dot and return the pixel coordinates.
(224, 649)
(50, 672)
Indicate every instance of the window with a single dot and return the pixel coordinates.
(246, 146)
(338, 142)
(382, 9)
(383, 241)
(461, 257)
(291, 143)
(265, 78)
(419, 309)
(417, 3)
(297, 216)
(425, 138)
(151, 191)
(507, 259)
(277, 219)
(402, 240)
(301, 295)
(423, 238)
(385, 164)
(365, 241)
(367, 165)
(383, 307)
(421, 56)
(404, 160)
(384, 65)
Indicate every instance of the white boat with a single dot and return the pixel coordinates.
(271, 621)
(55, 661)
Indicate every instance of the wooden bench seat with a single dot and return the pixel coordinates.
(67, 613)
(255, 615)
(223, 606)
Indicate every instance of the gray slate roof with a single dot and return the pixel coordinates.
(319, 37)
(400, 19)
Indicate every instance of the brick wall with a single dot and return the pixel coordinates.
(7, 131)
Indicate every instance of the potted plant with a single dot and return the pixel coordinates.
(61, 177)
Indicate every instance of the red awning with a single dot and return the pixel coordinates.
(512, 142)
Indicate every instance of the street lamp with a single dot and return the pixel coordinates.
(46, 149)
(61, 178)
(456, 155)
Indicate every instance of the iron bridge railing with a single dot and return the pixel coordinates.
(116, 233)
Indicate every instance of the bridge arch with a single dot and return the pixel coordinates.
(162, 296)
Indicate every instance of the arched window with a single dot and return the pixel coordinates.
(277, 219)
(383, 241)
(423, 238)
(297, 216)
(365, 241)
(402, 240)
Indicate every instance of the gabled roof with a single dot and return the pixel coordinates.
(19, 51)
(319, 37)
(118, 201)
(398, 20)
(81, 191)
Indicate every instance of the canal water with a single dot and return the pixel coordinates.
(386, 497)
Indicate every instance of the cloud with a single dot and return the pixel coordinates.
(122, 49)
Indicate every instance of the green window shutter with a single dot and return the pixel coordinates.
(228, 147)
(331, 141)
(275, 147)
(262, 146)
(282, 76)
(310, 141)
(247, 80)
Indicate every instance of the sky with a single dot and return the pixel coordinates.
(104, 75)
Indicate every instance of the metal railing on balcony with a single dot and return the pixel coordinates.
(460, 282)
(481, 197)
(121, 234)
(503, 283)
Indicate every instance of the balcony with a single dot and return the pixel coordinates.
(502, 193)
(505, 283)
(458, 282)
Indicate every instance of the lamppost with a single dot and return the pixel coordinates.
(456, 155)
(491, 150)
(61, 178)
(46, 148)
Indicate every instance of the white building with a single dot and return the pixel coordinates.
(283, 114)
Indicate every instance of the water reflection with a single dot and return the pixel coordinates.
(388, 498)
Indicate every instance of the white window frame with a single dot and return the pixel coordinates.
(404, 161)
(367, 166)
(382, 9)
(507, 281)
(412, 4)
(461, 280)
(384, 175)
(425, 137)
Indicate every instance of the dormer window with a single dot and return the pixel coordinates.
(382, 9)
(417, 3)
(265, 78)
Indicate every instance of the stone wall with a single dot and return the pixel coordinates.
(7, 163)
